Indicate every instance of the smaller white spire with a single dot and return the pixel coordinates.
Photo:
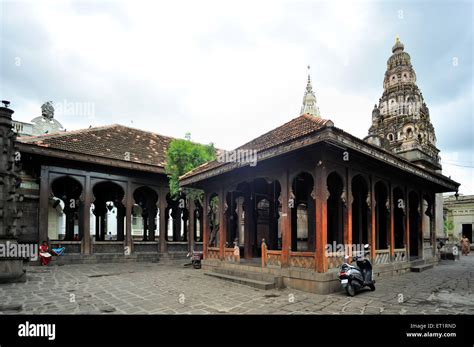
(309, 99)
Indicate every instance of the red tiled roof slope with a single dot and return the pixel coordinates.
(295, 128)
(113, 142)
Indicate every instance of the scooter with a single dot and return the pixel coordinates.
(196, 258)
(354, 278)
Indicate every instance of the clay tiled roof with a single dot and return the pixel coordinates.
(111, 142)
(295, 128)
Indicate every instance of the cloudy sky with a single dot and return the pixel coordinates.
(228, 71)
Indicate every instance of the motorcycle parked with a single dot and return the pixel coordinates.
(196, 258)
(354, 278)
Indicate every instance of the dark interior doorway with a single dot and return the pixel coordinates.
(467, 231)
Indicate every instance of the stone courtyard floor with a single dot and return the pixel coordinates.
(171, 288)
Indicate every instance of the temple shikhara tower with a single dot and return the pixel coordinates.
(309, 100)
(401, 120)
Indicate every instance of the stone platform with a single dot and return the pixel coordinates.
(305, 279)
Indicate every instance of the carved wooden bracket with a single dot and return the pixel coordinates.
(291, 200)
(326, 193)
(344, 197)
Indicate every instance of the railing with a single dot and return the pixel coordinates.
(335, 259)
(213, 252)
(382, 256)
(273, 258)
(302, 259)
(229, 255)
(400, 254)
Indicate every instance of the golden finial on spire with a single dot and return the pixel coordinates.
(397, 39)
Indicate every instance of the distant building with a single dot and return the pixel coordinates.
(459, 216)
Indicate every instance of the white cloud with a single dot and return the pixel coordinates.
(226, 71)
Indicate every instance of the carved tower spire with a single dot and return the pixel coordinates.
(309, 99)
(401, 120)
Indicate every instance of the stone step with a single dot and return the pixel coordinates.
(242, 280)
(421, 268)
(258, 276)
(68, 259)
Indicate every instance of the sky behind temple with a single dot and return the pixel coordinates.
(229, 71)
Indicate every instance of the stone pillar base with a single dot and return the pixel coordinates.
(11, 268)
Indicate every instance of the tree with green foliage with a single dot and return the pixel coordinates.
(182, 156)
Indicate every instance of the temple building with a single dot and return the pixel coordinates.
(312, 194)
(317, 189)
(103, 191)
(458, 213)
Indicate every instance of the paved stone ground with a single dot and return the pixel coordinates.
(158, 288)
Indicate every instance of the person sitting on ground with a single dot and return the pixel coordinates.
(44, 255)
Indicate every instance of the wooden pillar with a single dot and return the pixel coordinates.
(407, 221)
(97, 223)
(43, 205)
(392, 222)
(433, 225)
(162, 203)
(249, 223)
(421, 246)
(322, 195)
(348, 215)
(373, 209)
(205, 223)
(222, 222)
(128, 215)
(285, 220)
(191, 225)
(120, 221)
(86, 216)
